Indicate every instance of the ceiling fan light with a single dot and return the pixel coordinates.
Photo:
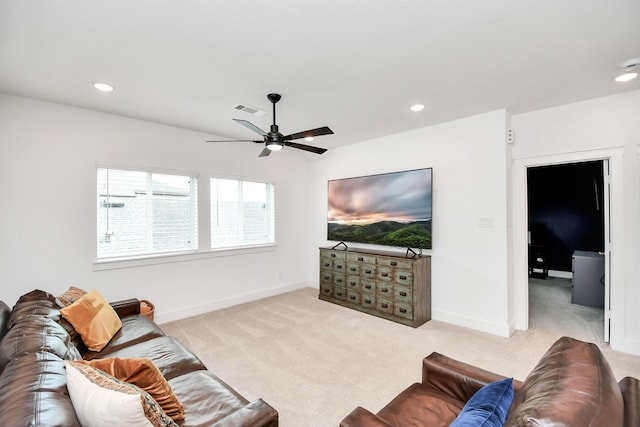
(626, 77)
(274, 146)
(309, 139)
(417, 107)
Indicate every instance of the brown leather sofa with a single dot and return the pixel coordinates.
(572, 386)
(35, 341)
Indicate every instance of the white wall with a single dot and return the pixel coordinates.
(607, 127)
(48, 156)
(469, 160)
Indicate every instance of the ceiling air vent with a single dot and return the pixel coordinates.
(250, 110)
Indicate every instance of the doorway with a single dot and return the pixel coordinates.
(566, 237)
(614, 209)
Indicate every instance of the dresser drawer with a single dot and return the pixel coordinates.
(340, 293)
(384, 305)
(368, 300)
(395, 263)
(368, 271)
(367, 285)
(403, 310)
(385, 274)
(353, 282)
(367, 259)
(326, 263)
(339, 280)
(353, 297)
(326, 278)
(403, 277)
(341, 255)
(384, 290)
(403, 294)
(326, 291)
(339, 265)
(353, 268)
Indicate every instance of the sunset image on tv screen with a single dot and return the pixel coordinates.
(392, 209)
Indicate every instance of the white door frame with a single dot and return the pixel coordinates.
(520, 220)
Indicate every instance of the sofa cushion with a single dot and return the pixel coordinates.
(135, 329)
(33, 392)
(94, 319)
(421, 406)
(145, 374)
(36, 302)
(101, 400)
(37, 334)
(488, 407)
(171, 357)
(572, 385)
(206, 398)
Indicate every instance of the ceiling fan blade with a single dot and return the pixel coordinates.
(309, 133)
(265, 152)
(237, 140)
(304, 147)
(251, 126)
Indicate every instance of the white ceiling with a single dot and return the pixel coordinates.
(355, 66)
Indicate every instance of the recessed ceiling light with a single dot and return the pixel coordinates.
(626, 77)
(103, 87)
(309, 139)
(417, 107)
(629, 70)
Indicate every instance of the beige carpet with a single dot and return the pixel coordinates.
(315, 361)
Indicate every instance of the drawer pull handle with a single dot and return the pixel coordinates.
(384, 290)
(367, 301)
(333, 255)
(360, 258)
(385, 274)
(368, 271)
(353, 269)
(352, 283)
(327, 277)
(384, 305)
(403, 294)
(339, 280)
(403, 277)
(339, 267)
(326, 264)
(352, 297)
(394, 263)
(367, 286)
(339, 294)
(403, 310)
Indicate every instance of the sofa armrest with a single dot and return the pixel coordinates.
(630, 388)
(126, 307)
(362, 417)
(256, 414)
(457, 379)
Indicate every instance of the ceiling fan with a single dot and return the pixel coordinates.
(274, 140)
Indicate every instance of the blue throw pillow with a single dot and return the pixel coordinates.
(488, 407)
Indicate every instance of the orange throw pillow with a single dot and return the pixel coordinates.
(94, 319)
(144, 374)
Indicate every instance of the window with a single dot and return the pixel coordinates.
(144, 213)
(242, 213)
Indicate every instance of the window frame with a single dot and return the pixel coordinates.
(149, 254)
(270, 211)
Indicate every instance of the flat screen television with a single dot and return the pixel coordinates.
(390, 209)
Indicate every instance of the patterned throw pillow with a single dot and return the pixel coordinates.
(142, 373)
(71, 295)
(101, 400)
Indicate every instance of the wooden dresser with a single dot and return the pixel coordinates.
(384, 284)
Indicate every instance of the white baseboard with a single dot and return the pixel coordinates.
(194, 310)
(502, 330)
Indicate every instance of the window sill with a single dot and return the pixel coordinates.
(138, 261)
